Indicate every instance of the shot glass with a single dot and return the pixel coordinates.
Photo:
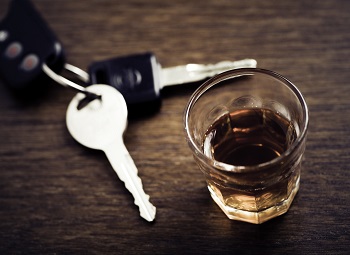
(247, 130)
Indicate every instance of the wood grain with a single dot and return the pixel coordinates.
(57, 197)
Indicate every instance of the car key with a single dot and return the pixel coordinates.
(100, 125)
(26, 43)
(140, 77)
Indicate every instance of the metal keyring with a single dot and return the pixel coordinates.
(84, 76)
(67, 83)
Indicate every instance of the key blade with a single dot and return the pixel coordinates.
(126, 170)
(197, 72)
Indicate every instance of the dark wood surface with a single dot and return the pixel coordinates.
(58, 197)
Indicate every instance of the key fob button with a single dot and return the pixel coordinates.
(3, 35)
(128, 79)
(30, 62)
(13, 50)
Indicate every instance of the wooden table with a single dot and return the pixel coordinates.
(58, 197)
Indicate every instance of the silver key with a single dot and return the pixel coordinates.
(100, 125)
(195, 72)
(140, 78)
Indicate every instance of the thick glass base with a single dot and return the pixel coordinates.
(256, 217)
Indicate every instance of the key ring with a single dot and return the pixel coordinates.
(67, 83)
(82, 75)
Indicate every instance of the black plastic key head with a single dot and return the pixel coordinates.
(135, 76)
(26, 42)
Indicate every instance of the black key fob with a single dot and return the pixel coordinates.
(135, 76)
(26, 43)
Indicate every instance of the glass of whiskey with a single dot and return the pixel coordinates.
(247, 130)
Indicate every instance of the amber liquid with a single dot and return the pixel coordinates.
(249, 137)
(252, 137)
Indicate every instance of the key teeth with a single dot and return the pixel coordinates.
(147, 216)
(127, 173)
(150, 212)
(147, 210)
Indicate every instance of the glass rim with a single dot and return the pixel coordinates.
(231, 74)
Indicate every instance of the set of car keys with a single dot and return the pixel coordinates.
(30, 53)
